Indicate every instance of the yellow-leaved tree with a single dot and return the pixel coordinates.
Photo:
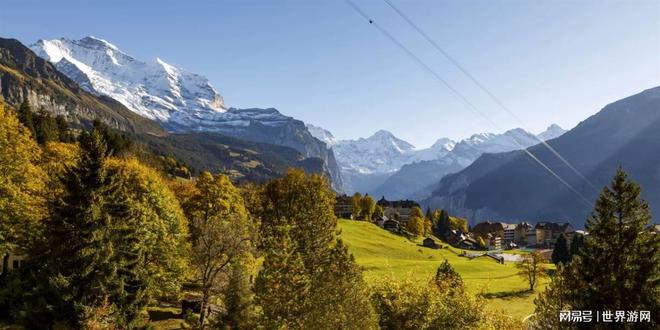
(21, 185)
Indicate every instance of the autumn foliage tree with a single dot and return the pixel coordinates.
(299, 233)
(115, 239)
(22, 184)
(221, 233)
(532, 268)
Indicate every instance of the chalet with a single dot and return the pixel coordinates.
(484, 228)
(391, 225)
(493, 241)
(430, 243)
(509, 233)
(468, 243)
(14, 261)
(397, 209)
(531, 238)
(522, 229)
(547, 232)
(655, 229)
(343, 207)
(461, 240)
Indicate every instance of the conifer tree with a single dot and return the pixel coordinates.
(560, 254)
(45, 127)
(339, 298)
(443, 225)
(446, 277)
(238, 297)
(76, 272)
(26, 117)
(619, 266)
(282, 286)
(576, 246)
(297, 214)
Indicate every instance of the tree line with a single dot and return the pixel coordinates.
(105, 236)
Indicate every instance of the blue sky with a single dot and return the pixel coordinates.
(319, 61)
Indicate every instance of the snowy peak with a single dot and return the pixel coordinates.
(322, 134)
(382, 152)
(387, 140)
(156, 90)
(553, 131)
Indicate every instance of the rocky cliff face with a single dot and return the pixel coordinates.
(25, 75)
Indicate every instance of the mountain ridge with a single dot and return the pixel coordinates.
(180, 101)
(511, 187)
(385, 165)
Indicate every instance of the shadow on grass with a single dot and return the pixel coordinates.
(161, 315)
(508, 294)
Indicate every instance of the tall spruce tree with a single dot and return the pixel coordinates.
(443, 225)
(282, 286)
(619, 267)
(75, 269)
(561, 254)
(576, 245)
(26, 117)
(298, 225)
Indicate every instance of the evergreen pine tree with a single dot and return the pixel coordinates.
(25, 116)
(428, 214)
(560, 254)
(238, 298)
(576, 246)
(619, 266)
(282, 285)
(45, 128)
(447, 278)
(443, 225)
(76, 273)
(63, 131)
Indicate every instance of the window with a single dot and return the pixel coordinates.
(16, 264)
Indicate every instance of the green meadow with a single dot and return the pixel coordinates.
(382, 253)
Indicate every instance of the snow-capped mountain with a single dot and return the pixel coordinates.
(179, 100)
(379, 153)
(553, 131)
(322, 134)
(156, 90)
(385, 165)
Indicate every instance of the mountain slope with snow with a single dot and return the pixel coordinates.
(385, 165)
(155, 90)
(322, 134)
(177, 99)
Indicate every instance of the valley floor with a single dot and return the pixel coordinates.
(382, 253)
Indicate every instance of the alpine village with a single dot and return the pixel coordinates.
(133, 197)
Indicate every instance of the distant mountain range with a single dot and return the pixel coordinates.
(180, 101)
(384, 165)
(510, 186)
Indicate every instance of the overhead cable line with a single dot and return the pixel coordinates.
(461, 97)
(485, 90)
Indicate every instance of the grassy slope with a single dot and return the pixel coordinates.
(381, 252)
